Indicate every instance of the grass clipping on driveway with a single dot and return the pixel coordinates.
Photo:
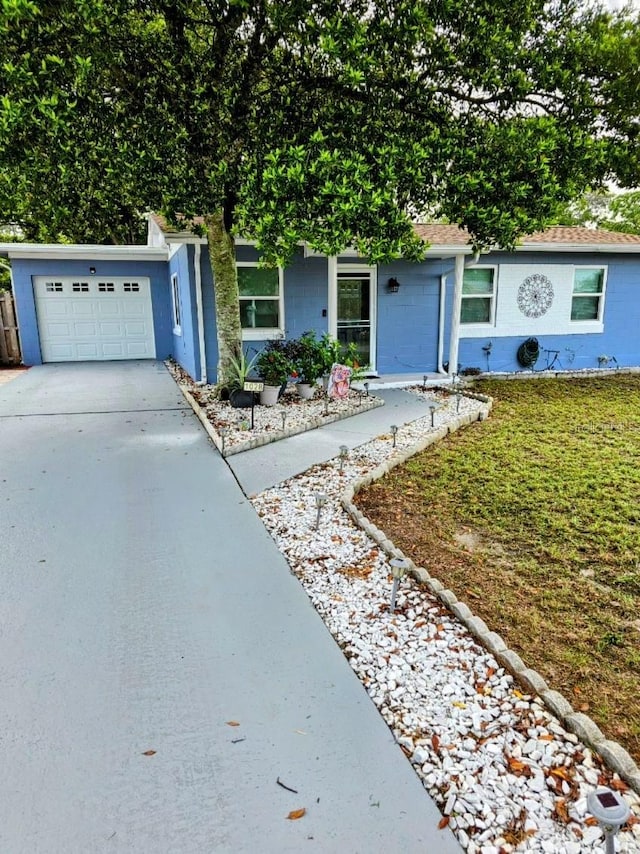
(533, 519)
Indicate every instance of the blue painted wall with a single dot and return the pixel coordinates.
(186, 349)
(408, 319)
(25, 268)
(306, 292)
(576, 351)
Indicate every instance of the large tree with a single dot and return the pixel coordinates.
(332, 122)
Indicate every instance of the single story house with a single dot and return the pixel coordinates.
(575, 290)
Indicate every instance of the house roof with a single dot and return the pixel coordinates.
(563, 235)
(447, 239)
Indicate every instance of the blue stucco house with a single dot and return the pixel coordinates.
(575, 290)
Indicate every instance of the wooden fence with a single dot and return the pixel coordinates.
(9, 341)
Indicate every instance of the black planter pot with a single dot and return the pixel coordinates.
(240, 399)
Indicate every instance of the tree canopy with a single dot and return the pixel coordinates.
(611, 211)
(333, 123)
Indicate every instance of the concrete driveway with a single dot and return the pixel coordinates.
(143, 607)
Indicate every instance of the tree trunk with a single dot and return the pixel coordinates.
(222, 252)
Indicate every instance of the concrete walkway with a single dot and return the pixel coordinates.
(143, 607)
(268, 465)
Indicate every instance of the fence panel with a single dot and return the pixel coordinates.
(9, 340)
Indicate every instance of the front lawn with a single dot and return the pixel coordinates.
(533, 519)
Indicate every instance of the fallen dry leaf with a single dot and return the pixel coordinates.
(294, 815)
(435, 742)
(233, 723)
(149, 753)
(545, 738)
(444, 821)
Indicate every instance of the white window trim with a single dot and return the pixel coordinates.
(266, 334)
(467, 329)
(597, 324)
(176, 312)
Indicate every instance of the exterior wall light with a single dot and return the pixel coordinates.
(393, 286)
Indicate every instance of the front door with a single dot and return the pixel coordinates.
(356, 310)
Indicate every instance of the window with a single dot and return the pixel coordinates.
(588, 293)
(80, 287)
(106, 287)
(175, 305)
(53, 287)
(260, 300)
(131, 287)
(478, 292)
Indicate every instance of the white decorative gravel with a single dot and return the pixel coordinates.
(506, 775)
(289, 416)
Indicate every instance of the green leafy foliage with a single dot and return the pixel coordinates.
(329, 123)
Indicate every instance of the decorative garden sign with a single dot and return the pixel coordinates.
(339, 382)
(535, 295)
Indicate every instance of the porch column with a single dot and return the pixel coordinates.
(455, 314)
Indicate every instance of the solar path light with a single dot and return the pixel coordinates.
(344, 453)
(283, 415)
(432, 410)
(394, 433)
(610, 811)
(366, 388)
(321, 500)
(399, 566)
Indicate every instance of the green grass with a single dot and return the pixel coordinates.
(549, 487)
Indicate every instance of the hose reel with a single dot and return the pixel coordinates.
(528, 353)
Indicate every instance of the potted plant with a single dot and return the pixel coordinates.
(274, 367)
(308, 363)
(240, 369)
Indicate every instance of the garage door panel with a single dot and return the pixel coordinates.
(87, 350)
(81, 308)
(103, 319)
(110, 308)
(114, 351)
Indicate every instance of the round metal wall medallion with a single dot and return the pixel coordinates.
(535, 295)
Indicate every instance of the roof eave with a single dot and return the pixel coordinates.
(83, 252)
(617, 248)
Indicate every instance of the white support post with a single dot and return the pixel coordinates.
(455, 315)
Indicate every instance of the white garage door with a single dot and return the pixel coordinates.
(94, 318)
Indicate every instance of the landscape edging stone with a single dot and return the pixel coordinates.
(581, 725)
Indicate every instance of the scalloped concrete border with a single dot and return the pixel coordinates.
(614, 755)
(275, 435)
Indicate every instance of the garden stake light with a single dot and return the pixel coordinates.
(424, 383)
(344, 453)
(366, 388)
(394, 433)
(458, 396)
(398, 568)
(326, 404)
(432, 410)
(321, 500)
(610, 811)
(283, 415)
(223, 434)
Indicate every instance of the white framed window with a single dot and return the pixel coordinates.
(478, 296)
(261, 301)
(175, 305)
(587, 300)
